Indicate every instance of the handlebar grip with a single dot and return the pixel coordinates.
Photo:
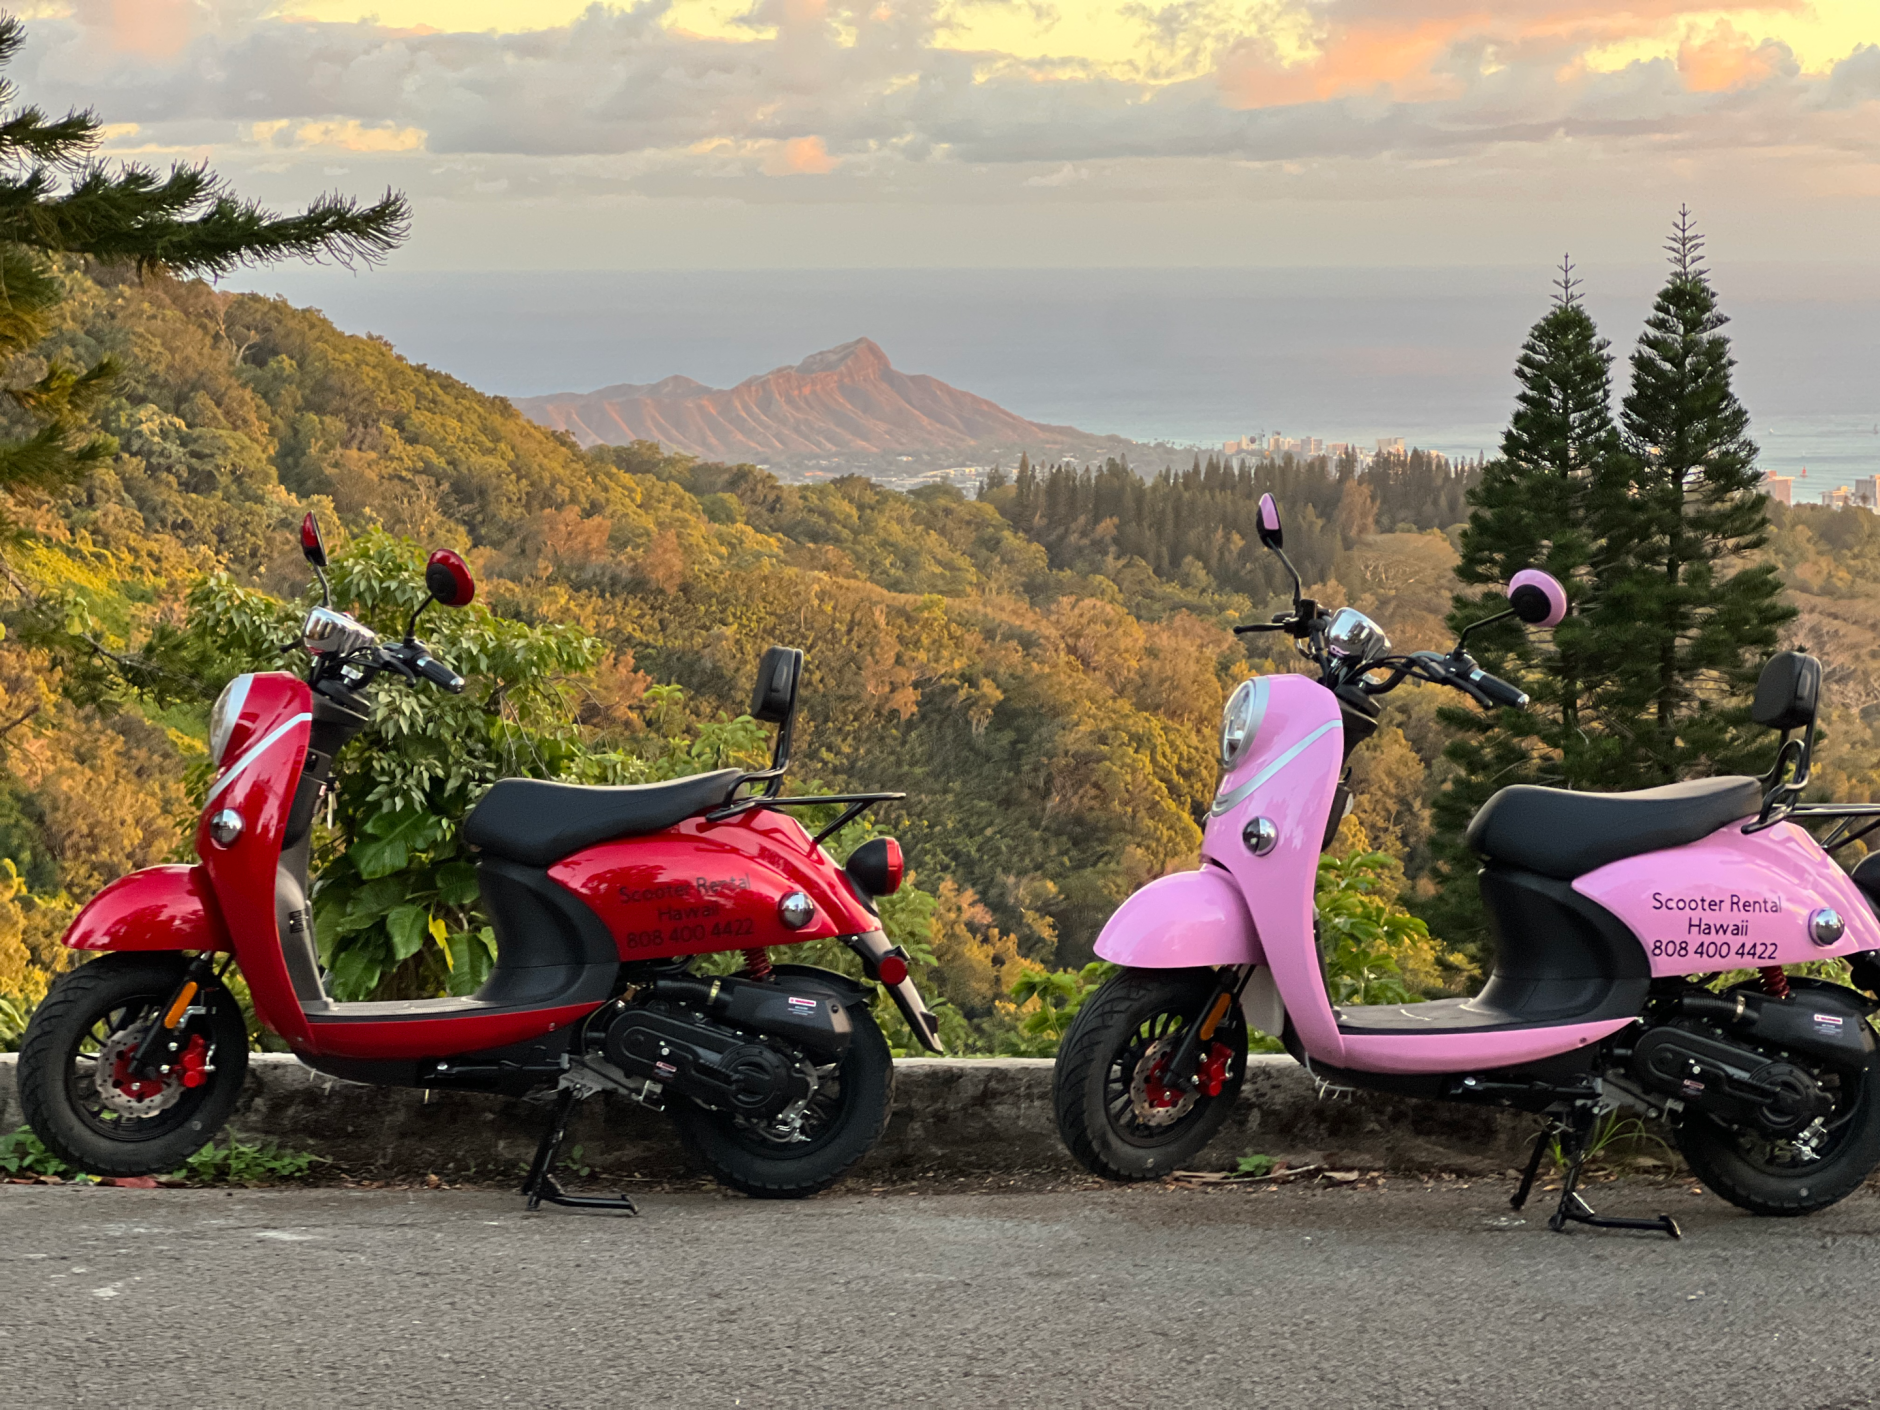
(1495, 691)
(438, 673)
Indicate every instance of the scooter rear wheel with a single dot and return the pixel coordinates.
(806, 1151)
(1796, 1175)
(79, 1095)
(1113, 1111)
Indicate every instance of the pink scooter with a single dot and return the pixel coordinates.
(1610, 913)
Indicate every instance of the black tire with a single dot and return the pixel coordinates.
(97, 1005)
(1756, 1174)
(1111, 1049)
(845, 1118)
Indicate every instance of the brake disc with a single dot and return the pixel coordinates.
(1150, 1102)
(127, 1095)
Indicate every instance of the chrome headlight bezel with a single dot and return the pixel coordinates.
(329, 633)
(1240, 720)
(1356, 637)
(223, 718)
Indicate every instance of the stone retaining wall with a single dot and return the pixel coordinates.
(952, 1116)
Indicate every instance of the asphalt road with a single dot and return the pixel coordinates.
(1140, 1297)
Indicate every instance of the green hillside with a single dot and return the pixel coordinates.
(1053, 726)
(1040, 668)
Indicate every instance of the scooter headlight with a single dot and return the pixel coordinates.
(222, 719)
(1240, 721)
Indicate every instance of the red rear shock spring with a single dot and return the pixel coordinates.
(757, 963)
(1775, 983)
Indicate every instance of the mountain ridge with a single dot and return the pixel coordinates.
(845, 401)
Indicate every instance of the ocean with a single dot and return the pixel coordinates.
(1194, 356)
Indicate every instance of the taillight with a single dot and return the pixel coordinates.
(876, 866)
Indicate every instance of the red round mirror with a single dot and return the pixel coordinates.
(448, 578)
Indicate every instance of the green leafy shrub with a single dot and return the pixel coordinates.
(239, 1162)
(1048, 1000)
(23, 1154)
(1374, 951)
(12, 1024)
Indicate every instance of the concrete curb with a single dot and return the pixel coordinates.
(953, 1116)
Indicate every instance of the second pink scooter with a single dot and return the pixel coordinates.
(1610, 914)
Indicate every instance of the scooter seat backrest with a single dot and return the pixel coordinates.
(1788, 692)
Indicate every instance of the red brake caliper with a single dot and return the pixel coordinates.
(193, 1063)
(1212, 1074)
(1210, 1077)
(191, 1067)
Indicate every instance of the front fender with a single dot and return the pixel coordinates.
(1180, 921)
(158, 908)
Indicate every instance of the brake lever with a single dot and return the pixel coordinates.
(390, 657)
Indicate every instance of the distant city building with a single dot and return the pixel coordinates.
(1840, 497)
(1390, 445)
(1780, 488)
(1867, 492)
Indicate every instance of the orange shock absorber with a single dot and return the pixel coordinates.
(757, 963)
(1775, 983)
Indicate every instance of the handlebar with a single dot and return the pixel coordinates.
(438, 673)
(410, 659)
(1497, 691)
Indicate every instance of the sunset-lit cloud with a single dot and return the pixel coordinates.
(984, 103)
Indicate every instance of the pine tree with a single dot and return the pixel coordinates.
(1531, 508)
(1681, 620)
(55, 200)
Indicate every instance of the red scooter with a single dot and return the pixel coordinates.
(778, 1078)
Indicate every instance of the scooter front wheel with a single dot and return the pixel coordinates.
(816, 1141)
(1115, 1110)
(76, 1084)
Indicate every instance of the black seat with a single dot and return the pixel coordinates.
(537, 822)
(1564, 834)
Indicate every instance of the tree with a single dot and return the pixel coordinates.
(1681, 620)
(55, 200)
(1532, 508)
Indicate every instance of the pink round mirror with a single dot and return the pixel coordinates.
(1537, 598)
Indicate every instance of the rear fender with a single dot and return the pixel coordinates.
(158, 908)
(1181, 921)
(873, 947)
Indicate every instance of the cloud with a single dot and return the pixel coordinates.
(875, 95)
(799, 156)
(349, 135)
(1723, 60)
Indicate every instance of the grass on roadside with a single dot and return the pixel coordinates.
(233, 1161)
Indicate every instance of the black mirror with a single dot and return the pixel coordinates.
(774, 699)
(312, 547)
(1268, 529)
(1787, 692)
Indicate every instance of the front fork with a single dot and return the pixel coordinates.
(162, 1044)
(1184, 1064)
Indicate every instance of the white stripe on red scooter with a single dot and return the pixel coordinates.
(253, 754)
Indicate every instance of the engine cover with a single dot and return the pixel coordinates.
(1737, 1084)
(712, 1064)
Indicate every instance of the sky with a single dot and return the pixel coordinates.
(715, 134)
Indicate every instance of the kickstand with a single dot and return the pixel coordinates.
(1573, 1208)
(1548, 1132)
(542, 1185)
